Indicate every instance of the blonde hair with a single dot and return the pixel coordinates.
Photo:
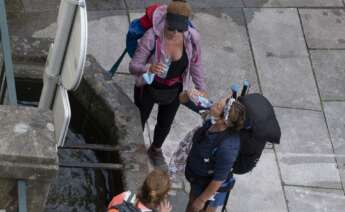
(179, 7)
(155, 188)
(236, 116)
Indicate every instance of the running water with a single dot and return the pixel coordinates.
(78, 189)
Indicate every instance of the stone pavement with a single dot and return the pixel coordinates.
(293, 51)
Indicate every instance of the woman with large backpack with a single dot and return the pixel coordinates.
(214, 150)
(152, 196)
(169, 52)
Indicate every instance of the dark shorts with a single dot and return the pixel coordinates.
(218, 198)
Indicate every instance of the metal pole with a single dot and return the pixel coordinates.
(22, 203)
(5, 40)
(55, 60)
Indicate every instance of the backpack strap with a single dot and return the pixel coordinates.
(131, 197)
(219, 141)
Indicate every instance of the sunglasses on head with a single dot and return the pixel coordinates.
(174, 29)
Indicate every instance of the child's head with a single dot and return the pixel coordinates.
(229, 111)
(236, 116)
(155, 188)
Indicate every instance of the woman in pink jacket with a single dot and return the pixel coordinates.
(169, 53)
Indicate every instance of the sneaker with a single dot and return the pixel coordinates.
(157, 158)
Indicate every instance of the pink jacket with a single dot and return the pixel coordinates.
(143, 56)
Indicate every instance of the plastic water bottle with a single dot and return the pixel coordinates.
(166, 63)
(198, 103)
(204, 102)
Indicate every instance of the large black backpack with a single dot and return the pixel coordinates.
(263, 127)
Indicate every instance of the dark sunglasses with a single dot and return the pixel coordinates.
(172, 29)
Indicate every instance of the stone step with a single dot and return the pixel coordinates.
(28, 71)
(99, 147)
(108, 166)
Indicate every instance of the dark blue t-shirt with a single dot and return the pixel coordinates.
(223, 156)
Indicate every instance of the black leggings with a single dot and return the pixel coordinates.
(165, 117)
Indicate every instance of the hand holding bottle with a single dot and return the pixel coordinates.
(156, 68)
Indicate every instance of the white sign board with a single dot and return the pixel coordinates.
(62, 115)
(73, 66)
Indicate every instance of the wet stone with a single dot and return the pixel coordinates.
(324, 31)
(311, 200)
(282, 58)
(329, 67)
(293, 3)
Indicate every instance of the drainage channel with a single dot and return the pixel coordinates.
(90, 169)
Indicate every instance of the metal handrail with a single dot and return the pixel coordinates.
(22, 189)
(6, 50)
(7, 81)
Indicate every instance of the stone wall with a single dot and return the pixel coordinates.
(119, 118)
(28, 152)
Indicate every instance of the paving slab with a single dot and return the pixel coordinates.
(53, 5)
(334, 112)
(324, 28)
(195, 4)
(180, 200)
(282, 58)
(185, 121)
(305, 153)
(142, 4)
(293, 3)
(225, 50)
(309, 170)
(107, 38)
(314, 200)
(27, 24)
(303, 131)
(105, 5)
(260, 190)
(40, 5)
(14, 6)
(329, 67)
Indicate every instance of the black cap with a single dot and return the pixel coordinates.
(177, 22)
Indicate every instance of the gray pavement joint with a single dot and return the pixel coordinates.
(325, 49)
(296, 108)
(313, 187)
(281, 178)
(251, 49)
(334, 100)
(319, 94)
(127, 12)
